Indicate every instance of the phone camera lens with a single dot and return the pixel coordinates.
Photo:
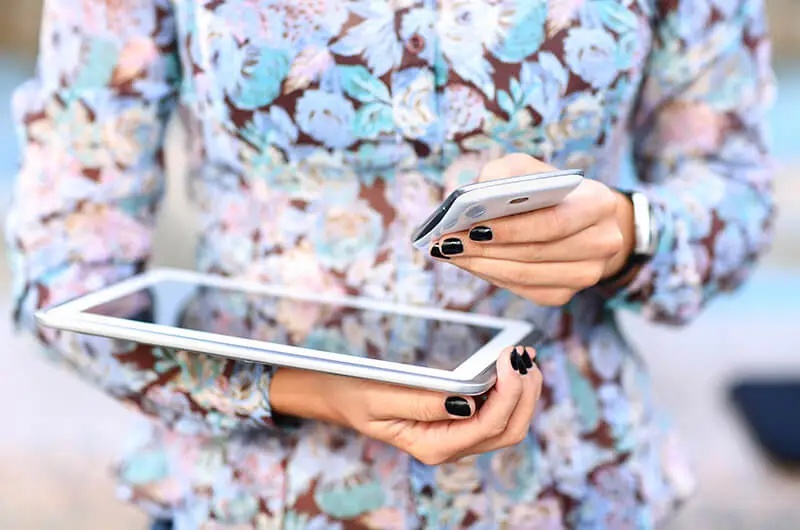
(518, 200)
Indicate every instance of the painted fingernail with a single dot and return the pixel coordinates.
(515, 360)
(436, 253)
(452, 245)
(522, 366)
(457, 406)
(526, 360)
(481, 233)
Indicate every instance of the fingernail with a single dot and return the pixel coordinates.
(526, 360)
(521, 364)
(531, 351)
(452, 245)
(457, 406)
(481, 233)
(515, 360)
(436, 253)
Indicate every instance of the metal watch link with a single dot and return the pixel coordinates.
(645, 225)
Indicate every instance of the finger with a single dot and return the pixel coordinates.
(585, 206)
(544, 296)
(567, 274)
(596, 242)
(401, 403)
(520, 422)
(540, 226)
(491, 420)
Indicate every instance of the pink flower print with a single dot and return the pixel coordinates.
(689, 128)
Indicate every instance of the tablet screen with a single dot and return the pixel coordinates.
(316, 325)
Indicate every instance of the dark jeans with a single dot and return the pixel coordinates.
(162, 524)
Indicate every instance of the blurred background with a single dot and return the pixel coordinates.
(60, 436)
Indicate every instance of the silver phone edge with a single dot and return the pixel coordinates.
(520, 178)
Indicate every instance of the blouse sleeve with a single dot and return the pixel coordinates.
(91, 126)
(701, 154)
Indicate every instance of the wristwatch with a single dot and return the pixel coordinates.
(645, 226)
(645, 242)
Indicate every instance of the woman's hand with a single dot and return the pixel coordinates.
(548, 255)
(432, 427)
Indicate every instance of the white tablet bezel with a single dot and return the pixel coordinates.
(469, 377)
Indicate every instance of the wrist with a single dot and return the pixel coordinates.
(627, 227)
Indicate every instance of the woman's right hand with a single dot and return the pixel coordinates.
(430, 426)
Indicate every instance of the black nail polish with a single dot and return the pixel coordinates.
(522, 369)
(481, 233)
(452, 245)
(457, 406)
(526, 360)
(514, 360)
(436, 253)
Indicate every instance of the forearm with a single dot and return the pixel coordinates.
(186, 391)
(301, 394)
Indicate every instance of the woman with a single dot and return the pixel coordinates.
(322, 132)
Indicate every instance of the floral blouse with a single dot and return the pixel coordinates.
(322, 132)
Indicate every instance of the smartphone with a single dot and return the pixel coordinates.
(484, 201)
(771, 410)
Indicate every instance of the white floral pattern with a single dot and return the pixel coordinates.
(322, 132)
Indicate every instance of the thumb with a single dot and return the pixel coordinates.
(422, 405)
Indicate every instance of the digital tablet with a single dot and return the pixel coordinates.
(441, 350)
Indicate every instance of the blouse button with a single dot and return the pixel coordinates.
(415, 43)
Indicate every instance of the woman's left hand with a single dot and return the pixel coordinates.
(547, 255)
